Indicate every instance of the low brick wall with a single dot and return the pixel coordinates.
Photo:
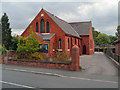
(36, 63)
(74, 65)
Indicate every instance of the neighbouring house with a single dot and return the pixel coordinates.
(57, 34)
(117, 47)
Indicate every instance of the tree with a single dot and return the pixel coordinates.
(6, 31)
(32, 44)
(95, 34)
(14, 42)
(102, 39)
(118, 32)
(29, 44)
(0, 34)
(3, 49)
(112, 39)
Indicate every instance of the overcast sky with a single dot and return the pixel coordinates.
(104, 15)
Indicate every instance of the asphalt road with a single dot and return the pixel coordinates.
(99, 72)
(14, 79)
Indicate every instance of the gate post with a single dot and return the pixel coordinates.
(75, 58)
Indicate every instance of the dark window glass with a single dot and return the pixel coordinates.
(68, 43)
(53, 45)
(42, 26)
(44, 48)
(60, 47)
(37, 28)
(75, 41)
(47, 27)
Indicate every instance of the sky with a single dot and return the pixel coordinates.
(103, 14)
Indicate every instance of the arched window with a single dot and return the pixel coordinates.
(37, 28)
(47, 27)
(42, 26)
(53, 45)
(60, 43)
(84, 49)
(68, 43)
(75, 41)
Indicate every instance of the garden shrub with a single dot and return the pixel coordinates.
(37, 56)
(32, 56)
(61, 57)
(80, 67)
(28, 45)
(3, 50)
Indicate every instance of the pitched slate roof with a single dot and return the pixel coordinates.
(82, 28)
(67, 28)
(45, 36)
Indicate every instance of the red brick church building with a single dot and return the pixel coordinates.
(57, 34)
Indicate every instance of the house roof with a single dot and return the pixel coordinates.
(82, 28)
(67, 28)
(45, 36)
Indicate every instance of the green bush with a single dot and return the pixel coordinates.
(80, 67)
(61, 57)
(37, 56)
(28, 45)
(3, 50)
(32, 56)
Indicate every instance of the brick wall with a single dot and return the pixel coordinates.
(91, 42)
(88, 41)
(74, 65)
(85, 41)
(64, 66)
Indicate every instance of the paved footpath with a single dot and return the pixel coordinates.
(98, 64)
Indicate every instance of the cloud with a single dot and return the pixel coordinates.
(17, 31)
(104, 15)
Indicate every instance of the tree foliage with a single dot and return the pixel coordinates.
(102, 39)
(6, 31)
(95, 33)
(118, 32)
(0, 34)
(14, 42)
(112, 39)
(29, 44)
(3, 50)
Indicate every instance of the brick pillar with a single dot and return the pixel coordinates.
(75, 58)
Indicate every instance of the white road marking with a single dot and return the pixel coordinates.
(15, 84)
(23, 70)
(93, 80)
(54, 74)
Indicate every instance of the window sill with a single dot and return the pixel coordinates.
(45, 33)
(59, 49)
(68, 50)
